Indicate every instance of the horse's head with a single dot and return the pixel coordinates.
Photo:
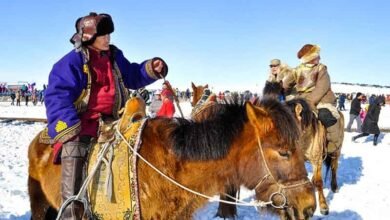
(281, 176)
(197, 92)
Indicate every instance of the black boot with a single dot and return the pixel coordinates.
(375, 140)
(359, 136)
(72, 160)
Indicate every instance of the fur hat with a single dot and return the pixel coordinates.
(91, 26)
(275, 62)
(308, 53)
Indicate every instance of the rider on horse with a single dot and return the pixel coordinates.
(312, 82)
(89, 83)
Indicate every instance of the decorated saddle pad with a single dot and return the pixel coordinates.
(113, 191)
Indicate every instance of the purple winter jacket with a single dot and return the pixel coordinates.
(68, 86)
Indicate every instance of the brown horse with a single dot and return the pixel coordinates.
(242, 144)
(197, 92)
(312, 141)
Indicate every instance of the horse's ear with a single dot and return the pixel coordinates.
(298, 111)
(206, 86)
(193, 85)
(258, 117)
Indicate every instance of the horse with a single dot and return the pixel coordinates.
(197, 92)
(312, 141)
(242, 144)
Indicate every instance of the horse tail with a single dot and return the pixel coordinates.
(328, 163)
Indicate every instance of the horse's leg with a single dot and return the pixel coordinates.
(334, 166)
(318, 183)
(227, 210)
(38, 203)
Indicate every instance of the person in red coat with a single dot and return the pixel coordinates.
(167, 108)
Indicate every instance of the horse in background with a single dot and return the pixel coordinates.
(197, 92)
(313, 143)
(241, 144)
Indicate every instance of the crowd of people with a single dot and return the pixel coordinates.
(24, 94)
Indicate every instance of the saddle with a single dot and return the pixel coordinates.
(113, 192)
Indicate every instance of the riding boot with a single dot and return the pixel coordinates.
(73, 160)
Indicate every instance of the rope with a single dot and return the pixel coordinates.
(255, 203)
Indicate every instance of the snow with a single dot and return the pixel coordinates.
(362, 176)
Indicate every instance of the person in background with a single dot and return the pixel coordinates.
(354, 113)
(341, 102)
(370, 124)
(167, 108)
(26, 97)
(277, 72)
(371, 99)
(156, 103)
(13, 96)
(363, 112)
(17, 96)
(89, 84)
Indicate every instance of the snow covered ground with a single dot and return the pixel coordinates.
(363, 175)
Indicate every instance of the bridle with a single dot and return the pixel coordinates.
(281, 187)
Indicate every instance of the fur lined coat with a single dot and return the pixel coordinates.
(311, 82)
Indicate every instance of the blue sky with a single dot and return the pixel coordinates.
(225, 43)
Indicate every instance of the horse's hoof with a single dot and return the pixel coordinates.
(336, 190)
(324, 211)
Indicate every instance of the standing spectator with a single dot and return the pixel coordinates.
(26, 96)
(18, 98)
(354, 113)
(370, 124)
(13, 96)
(341, 102)
(155, 105)
(371, 99)
(167, 108)
(363, 112)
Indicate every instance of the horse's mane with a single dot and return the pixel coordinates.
(212, 138)
(272, 88)
(283, 119)
(307, 115)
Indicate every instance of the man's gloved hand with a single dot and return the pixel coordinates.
(159, 67)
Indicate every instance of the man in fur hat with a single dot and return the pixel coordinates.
(311, 81)
(89, 83)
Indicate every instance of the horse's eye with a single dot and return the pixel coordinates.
(284, 153)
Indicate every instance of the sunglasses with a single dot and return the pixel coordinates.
(273, 66)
